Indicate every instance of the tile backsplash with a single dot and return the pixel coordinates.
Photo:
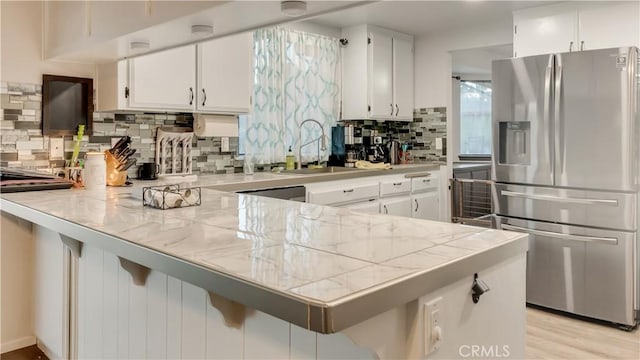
(428, 125)
(24, 146)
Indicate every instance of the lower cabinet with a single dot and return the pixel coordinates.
(425, 205)
(398, 206)
(367, 207)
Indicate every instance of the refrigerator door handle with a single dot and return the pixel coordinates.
(559, 122)
(560, 199)
(583, 238)
(548, 97)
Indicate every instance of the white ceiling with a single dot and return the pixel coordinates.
(424, 17)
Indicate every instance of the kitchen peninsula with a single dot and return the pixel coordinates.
(244, 276)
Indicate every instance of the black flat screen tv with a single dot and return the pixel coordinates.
(66, 103)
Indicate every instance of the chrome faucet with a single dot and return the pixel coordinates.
(322, 144)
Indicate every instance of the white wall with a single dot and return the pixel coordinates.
(21, 46)
(432, 60)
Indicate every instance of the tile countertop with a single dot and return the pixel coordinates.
(319, 267)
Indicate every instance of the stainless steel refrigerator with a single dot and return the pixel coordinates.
(566, 171)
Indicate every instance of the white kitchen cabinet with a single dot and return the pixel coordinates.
(112, 86)
(398, 206)
(224, 74)
(164, 80)
(610, 25)
(366, 207)
(568, 27)
(426, 205)
(377, 70)
(381, 75)
(403, 78)
(342, 192)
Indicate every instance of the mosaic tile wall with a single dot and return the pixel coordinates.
(24, 146)
(428, 124)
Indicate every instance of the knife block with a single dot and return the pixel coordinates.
(114, 177)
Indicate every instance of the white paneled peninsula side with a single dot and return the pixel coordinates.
(244, 276)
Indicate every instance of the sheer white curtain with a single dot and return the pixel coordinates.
(296, 78)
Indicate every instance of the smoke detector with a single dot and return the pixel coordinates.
(293, 7)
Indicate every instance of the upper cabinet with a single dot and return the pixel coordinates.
(224, 74)
(164, 80)
(574, 27)
(211, 77)
(377, 74)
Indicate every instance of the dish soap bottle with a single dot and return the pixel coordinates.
(291, 160)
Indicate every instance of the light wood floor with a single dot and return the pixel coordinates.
(553, 336)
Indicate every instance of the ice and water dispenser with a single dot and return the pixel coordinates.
(515, 142)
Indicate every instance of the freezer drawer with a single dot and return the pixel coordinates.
(579, 270)
(613, 210)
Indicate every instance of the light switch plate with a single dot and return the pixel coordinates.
(56, 148)
(433, 325)
(438, 143)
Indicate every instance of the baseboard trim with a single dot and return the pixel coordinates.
(17, 344)
(50, 354)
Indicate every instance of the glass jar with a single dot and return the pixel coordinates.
(94, 174)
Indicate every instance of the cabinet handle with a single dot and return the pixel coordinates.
(385, 209)
(190, 96)
(417, 204)
(204, 97)
(126, 92)
(397, 184)
(397, 109)
(391, 110)
(581, 45)
(426, 181)
(571, 46)
(347, 191)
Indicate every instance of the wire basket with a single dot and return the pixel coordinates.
(171, 196)
(471, 202)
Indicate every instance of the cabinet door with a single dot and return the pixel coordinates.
(164, 80)
(367, 207)
(426, 206)
(609, 25)
(224, 74)
(399, 206)
(403, 78)
(381, 76)
(545, 30)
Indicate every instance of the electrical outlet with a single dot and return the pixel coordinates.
(56, 148)
(224, 144)
(438, 143)
(433, 325)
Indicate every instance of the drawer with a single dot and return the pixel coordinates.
(395, 186)
(425, 183)
(341, 194)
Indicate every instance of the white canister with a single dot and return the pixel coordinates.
(94, 174)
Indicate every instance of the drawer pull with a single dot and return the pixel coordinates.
(397, 184)
(426, 181)
(347, 191)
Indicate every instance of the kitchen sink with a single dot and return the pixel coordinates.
(323, 170)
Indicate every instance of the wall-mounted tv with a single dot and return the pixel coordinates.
(66, 103)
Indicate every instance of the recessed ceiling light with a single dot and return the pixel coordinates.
(293, 7)
(139, 45)
(201, 30)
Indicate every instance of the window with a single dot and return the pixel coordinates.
(475, 118)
